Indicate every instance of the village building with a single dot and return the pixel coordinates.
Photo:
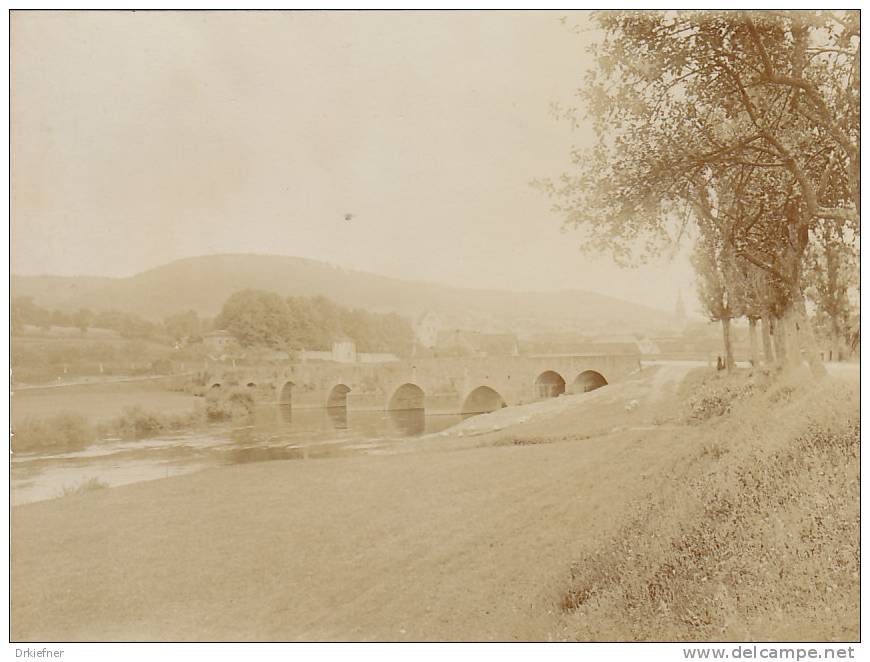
(344, 351)
(219, 342)
(426, 329)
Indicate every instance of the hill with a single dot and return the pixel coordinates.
(56, 291)
(204, 283)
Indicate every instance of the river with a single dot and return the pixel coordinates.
(273, 433)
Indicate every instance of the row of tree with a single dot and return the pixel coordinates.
(254, 317)
(260, 318)
(740, 131)
(26, 312)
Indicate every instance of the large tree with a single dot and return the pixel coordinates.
(256, 317)
(714, 265)
(762, 106)
(832, 270)
(181, 326)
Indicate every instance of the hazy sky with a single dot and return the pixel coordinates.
(139, 138)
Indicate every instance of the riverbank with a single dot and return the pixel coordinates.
(99, 401)
(514, 530)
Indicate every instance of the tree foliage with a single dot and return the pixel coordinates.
(182, 326)
(260, 318)
(740, 128)
(25, 311)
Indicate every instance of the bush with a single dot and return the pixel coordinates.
(89, 485)
(62, 432)
(139, 423)
(238, 404)
(136, 422)
(716, 395)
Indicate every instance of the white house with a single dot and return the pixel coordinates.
(426, 329)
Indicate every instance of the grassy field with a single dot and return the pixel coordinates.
(718, 511)
(98, 402)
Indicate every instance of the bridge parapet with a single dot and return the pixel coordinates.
(446, 383)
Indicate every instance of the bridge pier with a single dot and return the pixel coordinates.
(435, 385)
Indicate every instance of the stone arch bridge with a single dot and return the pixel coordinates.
(443, 385)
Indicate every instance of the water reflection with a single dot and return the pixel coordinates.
(272, 433)
(263, 454)
(337, 423)
(410, 422)
(338, 416)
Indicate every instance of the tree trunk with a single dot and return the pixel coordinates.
(835, 344)
(765, 340)
(808, 339)
(779, 340)
(753, 341)
(790, 340)
(726, 339)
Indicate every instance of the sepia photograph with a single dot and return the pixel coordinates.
(435, 326)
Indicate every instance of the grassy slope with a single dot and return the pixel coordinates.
(638, 532)
(758, 540)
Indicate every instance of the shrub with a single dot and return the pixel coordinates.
(237, 404)
(136, 422)
(61, 432)
(139, 423)
(715, 396)
(88, 485)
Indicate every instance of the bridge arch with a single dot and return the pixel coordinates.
(549, 384)
(338, 417)
(338, 397)
(251, 385)
(285, 395)
(216, 386)
(482, 400)
(589, 380)
(407, 397)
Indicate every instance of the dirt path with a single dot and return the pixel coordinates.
(464, 544)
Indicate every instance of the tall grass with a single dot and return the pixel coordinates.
(139, 423)
(61, 432)
(235, 405)
(756, 537)
(87, 485)
(68, 431)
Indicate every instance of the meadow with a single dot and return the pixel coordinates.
(725, 508)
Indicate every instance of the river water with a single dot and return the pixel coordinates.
(273, 433)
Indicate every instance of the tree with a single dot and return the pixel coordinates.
(83, 319)
(182, 326)
(256, 317)
(60, 318)
(761, 106)
(714, 263)
(25, 311)
(832, 269)
(749, 287)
